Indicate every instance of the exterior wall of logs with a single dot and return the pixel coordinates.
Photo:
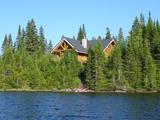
(82, 57)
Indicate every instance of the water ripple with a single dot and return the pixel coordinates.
(76, 106)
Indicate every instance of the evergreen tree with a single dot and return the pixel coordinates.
(134, 55)
(143, 26)
(116, 61)
(131, 64)
(81, 33)
(32, 37)
(19, 38)
(122, 43)
(23, 42)
(84, 31)
(95, 66)
(10, 41)
(42, 41)
(90, 70)
(108, 34)
(150, 32)
(156, 45)
(70, 70)
(50, 46)
(5, 43)
(149, 68)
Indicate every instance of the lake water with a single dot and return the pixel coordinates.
(78, 106)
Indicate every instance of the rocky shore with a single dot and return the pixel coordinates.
(83, 90)
(78, 90)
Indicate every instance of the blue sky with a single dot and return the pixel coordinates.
(63, 17)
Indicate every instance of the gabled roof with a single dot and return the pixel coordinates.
(76, 44)
(104, 42)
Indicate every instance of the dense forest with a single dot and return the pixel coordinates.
(27, 62)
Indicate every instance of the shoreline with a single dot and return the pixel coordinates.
(78, 90)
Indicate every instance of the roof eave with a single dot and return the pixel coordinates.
(63, 39)
(108, 44)
(83, 52)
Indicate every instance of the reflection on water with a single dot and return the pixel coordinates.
(76, 106)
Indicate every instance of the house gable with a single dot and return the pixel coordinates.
(107, 51)
(62, 46)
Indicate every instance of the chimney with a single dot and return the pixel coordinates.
(84, 42)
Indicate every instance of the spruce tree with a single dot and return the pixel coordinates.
(19, 38)
(32, 37)
(50, 46)
(23, 42)
(156, 45)
(10, 41)
(5, 43)
(150, 33)
(42, 41)
(95, 66)
(149, 68)
(90, 70)
(122, 43)
(84, 31)
(80, 34)
(70, 70)
(108, 34)
(116, 64)
(134, 55)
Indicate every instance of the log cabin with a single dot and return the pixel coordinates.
(81, 47)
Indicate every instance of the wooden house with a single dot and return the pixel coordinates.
(81, 47)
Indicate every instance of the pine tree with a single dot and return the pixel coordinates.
(50, 46)
(95, 66)
(84, 31)
(156, 45)
(32, 37)
(116, 61)
(80, 34)
(42, 41)
(10, 41)
(90, 70)
(5, 43)
(149, 68)
(150, 32)
(134, 55)
(23, 42)
(131, 64)
(122, 43)
(19, 38)
(70, 69)
(143, 26)
(108, 34)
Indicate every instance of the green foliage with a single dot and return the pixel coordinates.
(42, 41)
(108, 34)
(81, 33)
(31, 66)
(95, 66)
(50, 46)
(70, 69)
(31, 37)
(133, 64)
(7, 43)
